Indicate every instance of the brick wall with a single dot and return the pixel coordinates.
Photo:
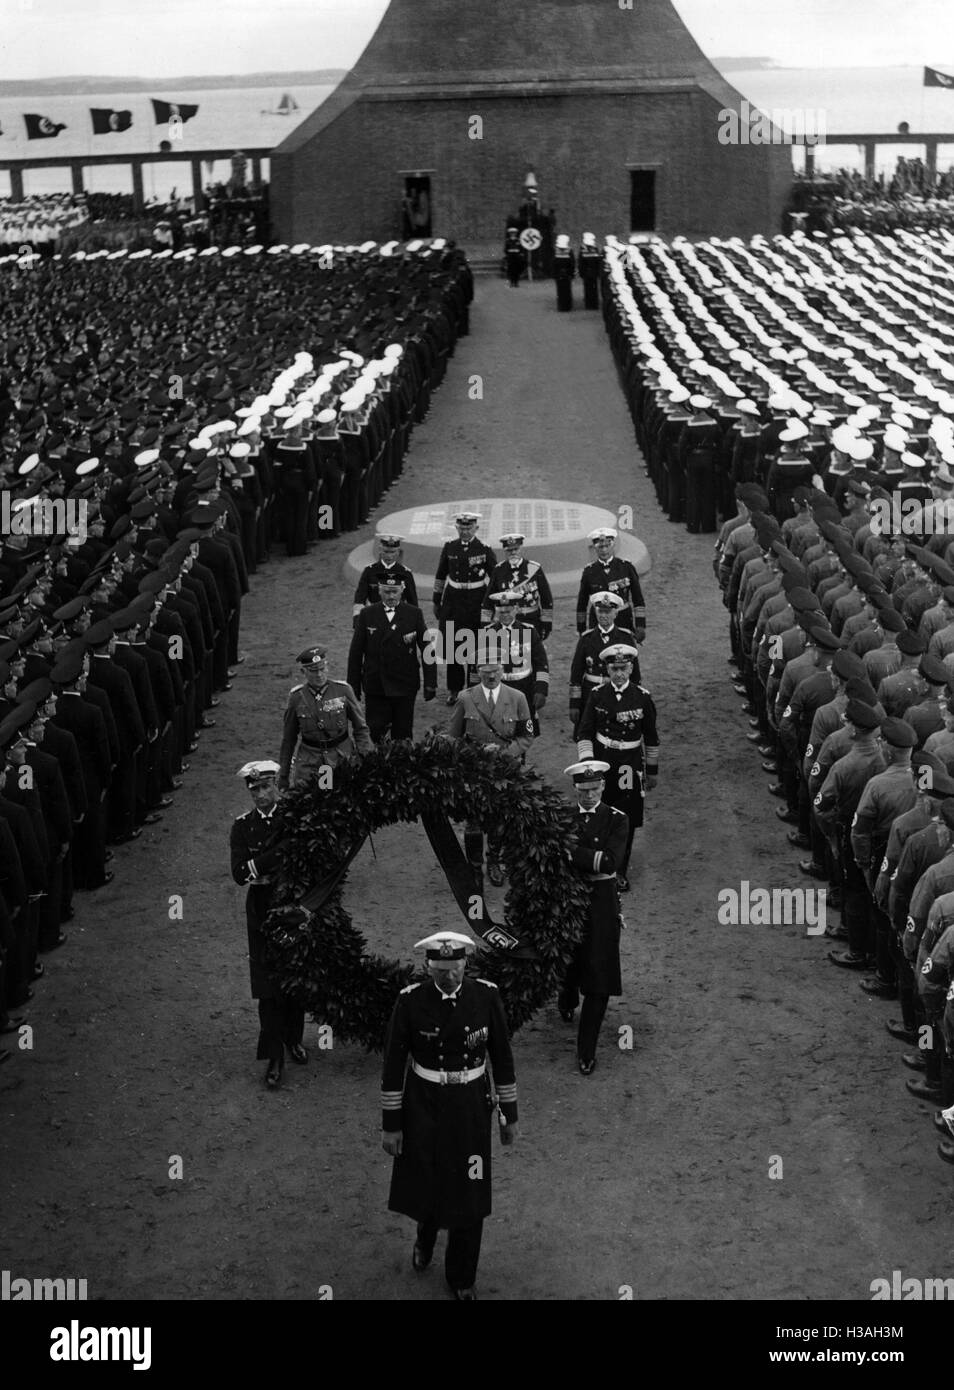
(345, 184)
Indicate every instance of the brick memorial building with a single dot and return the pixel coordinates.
(616, 110)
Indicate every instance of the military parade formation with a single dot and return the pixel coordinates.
(814, 412)
(791, 397)
(443, 1032)
(147, 472)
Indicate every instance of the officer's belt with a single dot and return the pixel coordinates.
(468, 584)
(332, 742)
(448, 1078)
(521, 675)
(598, 878)
(617, 743)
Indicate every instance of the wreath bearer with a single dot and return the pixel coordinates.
(254, 849)
(316, 722)
(437, 1104)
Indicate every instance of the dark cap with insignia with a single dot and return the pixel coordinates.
(311, 656)
(898, 733)
(933, 670)
(847, 666)
(861, 689)
(68, 668)
(861, 715)
(891, 620)
(825, 640)
(911, 644)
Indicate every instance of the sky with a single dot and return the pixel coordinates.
(157, 38)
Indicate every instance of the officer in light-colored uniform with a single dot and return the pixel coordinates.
(316, 729)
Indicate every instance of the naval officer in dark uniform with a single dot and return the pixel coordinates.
(437, 1104)
(598, 853)
(618, 723)
(461, 585)
(253, 845)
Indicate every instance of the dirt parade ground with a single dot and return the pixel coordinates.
(756, 1142)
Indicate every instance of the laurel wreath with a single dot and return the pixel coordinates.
(321, 959)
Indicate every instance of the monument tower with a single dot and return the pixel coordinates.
(616, 109)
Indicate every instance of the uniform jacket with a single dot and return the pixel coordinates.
(836, 803)
(618, 577)
(536, 598)
(599, 851)
(254, 849)
(886, 797)
(463, 576)
(386, 657)
(372, 576)
(922, 849)
(524, 658)
(630, 720)
(445, 1126)
(586, 670)
(510, 723)
(320, 718)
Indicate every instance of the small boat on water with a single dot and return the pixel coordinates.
(285, 107)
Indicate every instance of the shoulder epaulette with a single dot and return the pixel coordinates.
(532, 567)
(645, 689)
(613, 809)
(408, 988)
(489, 983)
(300, 686)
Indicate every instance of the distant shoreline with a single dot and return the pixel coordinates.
(80, 86)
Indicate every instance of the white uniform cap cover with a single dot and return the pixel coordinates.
(592, 770)
(240, 451)
(467, 516)
(325, 417)
(87, 466)
(602, 533)
(860, 450)
(795, 429)
(619, 651)
(605, 599)
(261, 767)
(446, 943)
(146, 457)
(506, 596)
(912, 460)
(249, 426)
(699, 402)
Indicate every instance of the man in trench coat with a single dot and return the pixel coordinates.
(437, 1106)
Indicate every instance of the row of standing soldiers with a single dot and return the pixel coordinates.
(843, 639)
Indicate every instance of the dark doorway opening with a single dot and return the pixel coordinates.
(642, 200)
(417, 206)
